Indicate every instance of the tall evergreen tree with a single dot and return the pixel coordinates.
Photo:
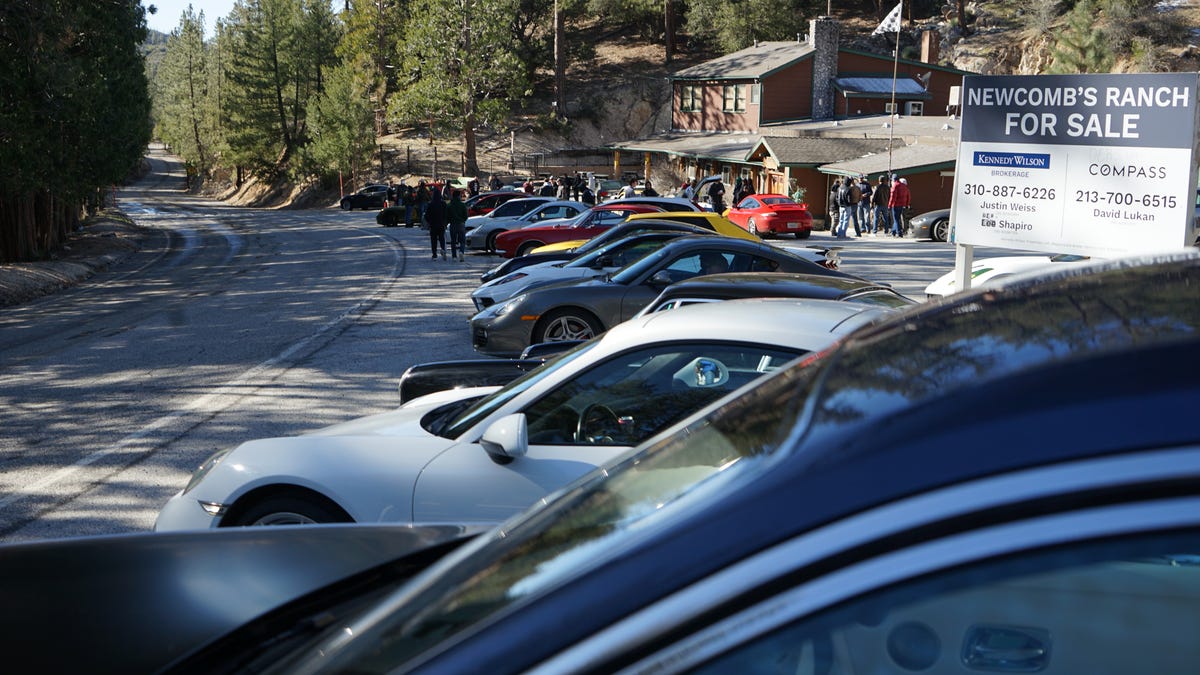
(278, 51)
(74, 114)
(341, 123)
(370, 43)
(460, 67)
(182, 95)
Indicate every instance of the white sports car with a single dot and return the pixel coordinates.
(477, 456)
(987, 270)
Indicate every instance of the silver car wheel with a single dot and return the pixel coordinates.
(284, 518)
(567, 325)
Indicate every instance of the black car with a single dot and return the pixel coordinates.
(370, 197)
(732, 285)
(1004, 481)
(579, 310)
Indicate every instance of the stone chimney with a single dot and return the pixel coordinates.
(930, 42)
(823, 36)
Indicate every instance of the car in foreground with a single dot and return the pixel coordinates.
(370, 197)
(594, 221)
(136, 603)
(988, 270)
(770, 215)
(581, 310)
(933, 225)
(478, 455)
(1004, 482)
(733, 285)
(602, 261)
(483, 230)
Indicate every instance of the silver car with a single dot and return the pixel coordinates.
(483, 230)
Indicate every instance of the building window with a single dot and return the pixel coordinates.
(755, 92)
(733, 98)
(689, 98)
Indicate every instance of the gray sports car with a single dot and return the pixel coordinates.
(579, 310)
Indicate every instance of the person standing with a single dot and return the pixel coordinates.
(409, 201)
(422, 200)
(494, 183)
(898, 200)
(435, 218)
(864, 203)
(456, 214)
(879, 204)
(629, 190)
(687, 192)
(648, 190)
(716, 196)
(835, 211)
(847, 210)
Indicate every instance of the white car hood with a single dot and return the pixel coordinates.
(404, 421)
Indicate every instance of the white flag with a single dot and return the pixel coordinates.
(891, 22)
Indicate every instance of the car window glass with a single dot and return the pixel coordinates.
(749, 203)
(624, 252)
(1130, 606)
(637, 394)
(732, 443)
(515, 207)
(459, 425)
(772, 201)
(880, 299)
(761, 264)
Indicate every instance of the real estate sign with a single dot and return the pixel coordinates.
(1097, 165)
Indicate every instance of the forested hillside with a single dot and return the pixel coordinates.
(297, 91)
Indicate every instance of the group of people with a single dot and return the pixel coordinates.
(566, 186)
(870, 208)
(440, 208)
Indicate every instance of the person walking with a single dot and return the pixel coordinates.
(456, 214)
(435, 218)
(879, 204)
(898, 200)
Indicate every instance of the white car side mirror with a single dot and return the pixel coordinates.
(506, 439)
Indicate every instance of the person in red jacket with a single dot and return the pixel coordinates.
(898, 200)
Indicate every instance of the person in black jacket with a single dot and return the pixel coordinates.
(435, 216)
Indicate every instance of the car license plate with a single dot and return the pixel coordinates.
(792, 226)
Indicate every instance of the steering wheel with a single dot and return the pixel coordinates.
(598, 424)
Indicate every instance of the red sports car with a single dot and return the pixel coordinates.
(518, 242)
(768, 215)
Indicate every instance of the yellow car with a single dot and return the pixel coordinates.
(706, 219)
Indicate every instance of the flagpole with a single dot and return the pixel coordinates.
(895, 71)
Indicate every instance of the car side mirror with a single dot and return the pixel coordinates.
(506, 439)
(661, 278)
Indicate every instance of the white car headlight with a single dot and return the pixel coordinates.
(502, 308)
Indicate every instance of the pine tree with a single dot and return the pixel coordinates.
(182, 95)
(460, 67)
(341, 123)
(1082, 46)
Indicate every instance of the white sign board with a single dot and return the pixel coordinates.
(1097, 165)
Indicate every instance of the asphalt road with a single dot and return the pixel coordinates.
(234, 324)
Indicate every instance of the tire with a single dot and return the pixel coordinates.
(940, 230)
(528, 246)
(346, 205)
(290, 510)
(803, 235)
(567, 324)
(490, 244)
